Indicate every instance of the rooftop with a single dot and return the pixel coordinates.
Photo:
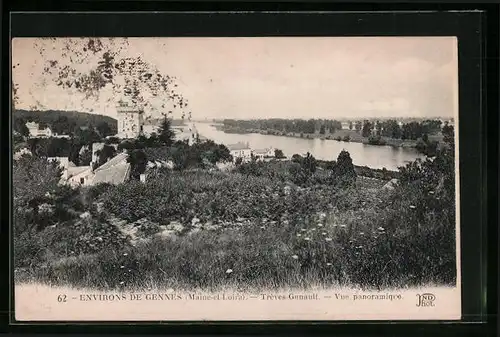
(114, 175)
(261, 151)
(75, 170)
(119, 158)
(238, 146)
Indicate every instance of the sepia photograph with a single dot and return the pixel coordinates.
(235, 178)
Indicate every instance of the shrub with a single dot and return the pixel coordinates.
(343, 172)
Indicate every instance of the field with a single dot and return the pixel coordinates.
(199, 229)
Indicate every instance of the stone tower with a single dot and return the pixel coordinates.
(130, 120)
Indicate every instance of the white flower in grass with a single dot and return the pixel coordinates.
(121, 283)
(413, 207)
(125, 254)
(262, 227)
(324, 233)
(322, 215)
(121, 267)
(361, 233)
(229, 271)
(328, 239)
(320, 225)
(295, 257)
(328, 264)
(381, 229)
(303, 229)
(313, 229)
(307, 239)
(299, 235)
(343, 226)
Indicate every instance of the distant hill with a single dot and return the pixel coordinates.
(65, 120)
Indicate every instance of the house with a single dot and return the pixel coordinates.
(345, 125)
(80, 176)
(261, 154)
(36, 132)
(240, 150)
(114, 171)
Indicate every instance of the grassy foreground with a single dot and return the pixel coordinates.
(214, 230)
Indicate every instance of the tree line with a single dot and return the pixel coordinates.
(285, 125)
(64, 122)
(387, 128)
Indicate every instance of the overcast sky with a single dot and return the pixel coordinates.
(285, 77)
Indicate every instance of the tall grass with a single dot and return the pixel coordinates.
(270, 235)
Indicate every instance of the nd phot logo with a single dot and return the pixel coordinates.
(425, 300)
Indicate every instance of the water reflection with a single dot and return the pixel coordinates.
(326, 149)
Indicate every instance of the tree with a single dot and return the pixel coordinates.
(91, 66)
(358, 126)
(350, 126)
(104, 129)
(105, 154)
(138, 162)
(322, 129)
(86, 136)
(297, 158)
(343, 171)
(278, 154)
(448, 134)
(367, 129)
(32, 179)
(85, 157)
(165, 134)
(378, 128)
(61, 125)
(20, 126)
(309, 164)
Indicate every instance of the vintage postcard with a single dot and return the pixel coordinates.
(235, 179)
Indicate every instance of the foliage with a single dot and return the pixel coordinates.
(85, 158)
(367, 129)
(278, 154)
(376, 140)
(317, 234)
(62, 122)
(282, 125)
(107, 68)
(19, 125)
(138, 161)
(343, 171)
(166, 135)
(107, 152)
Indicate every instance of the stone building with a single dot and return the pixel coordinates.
(130, 120)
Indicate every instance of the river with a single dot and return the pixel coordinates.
(362, 154)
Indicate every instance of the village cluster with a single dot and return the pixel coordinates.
(116, 169)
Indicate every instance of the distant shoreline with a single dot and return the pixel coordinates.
(338, 135)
